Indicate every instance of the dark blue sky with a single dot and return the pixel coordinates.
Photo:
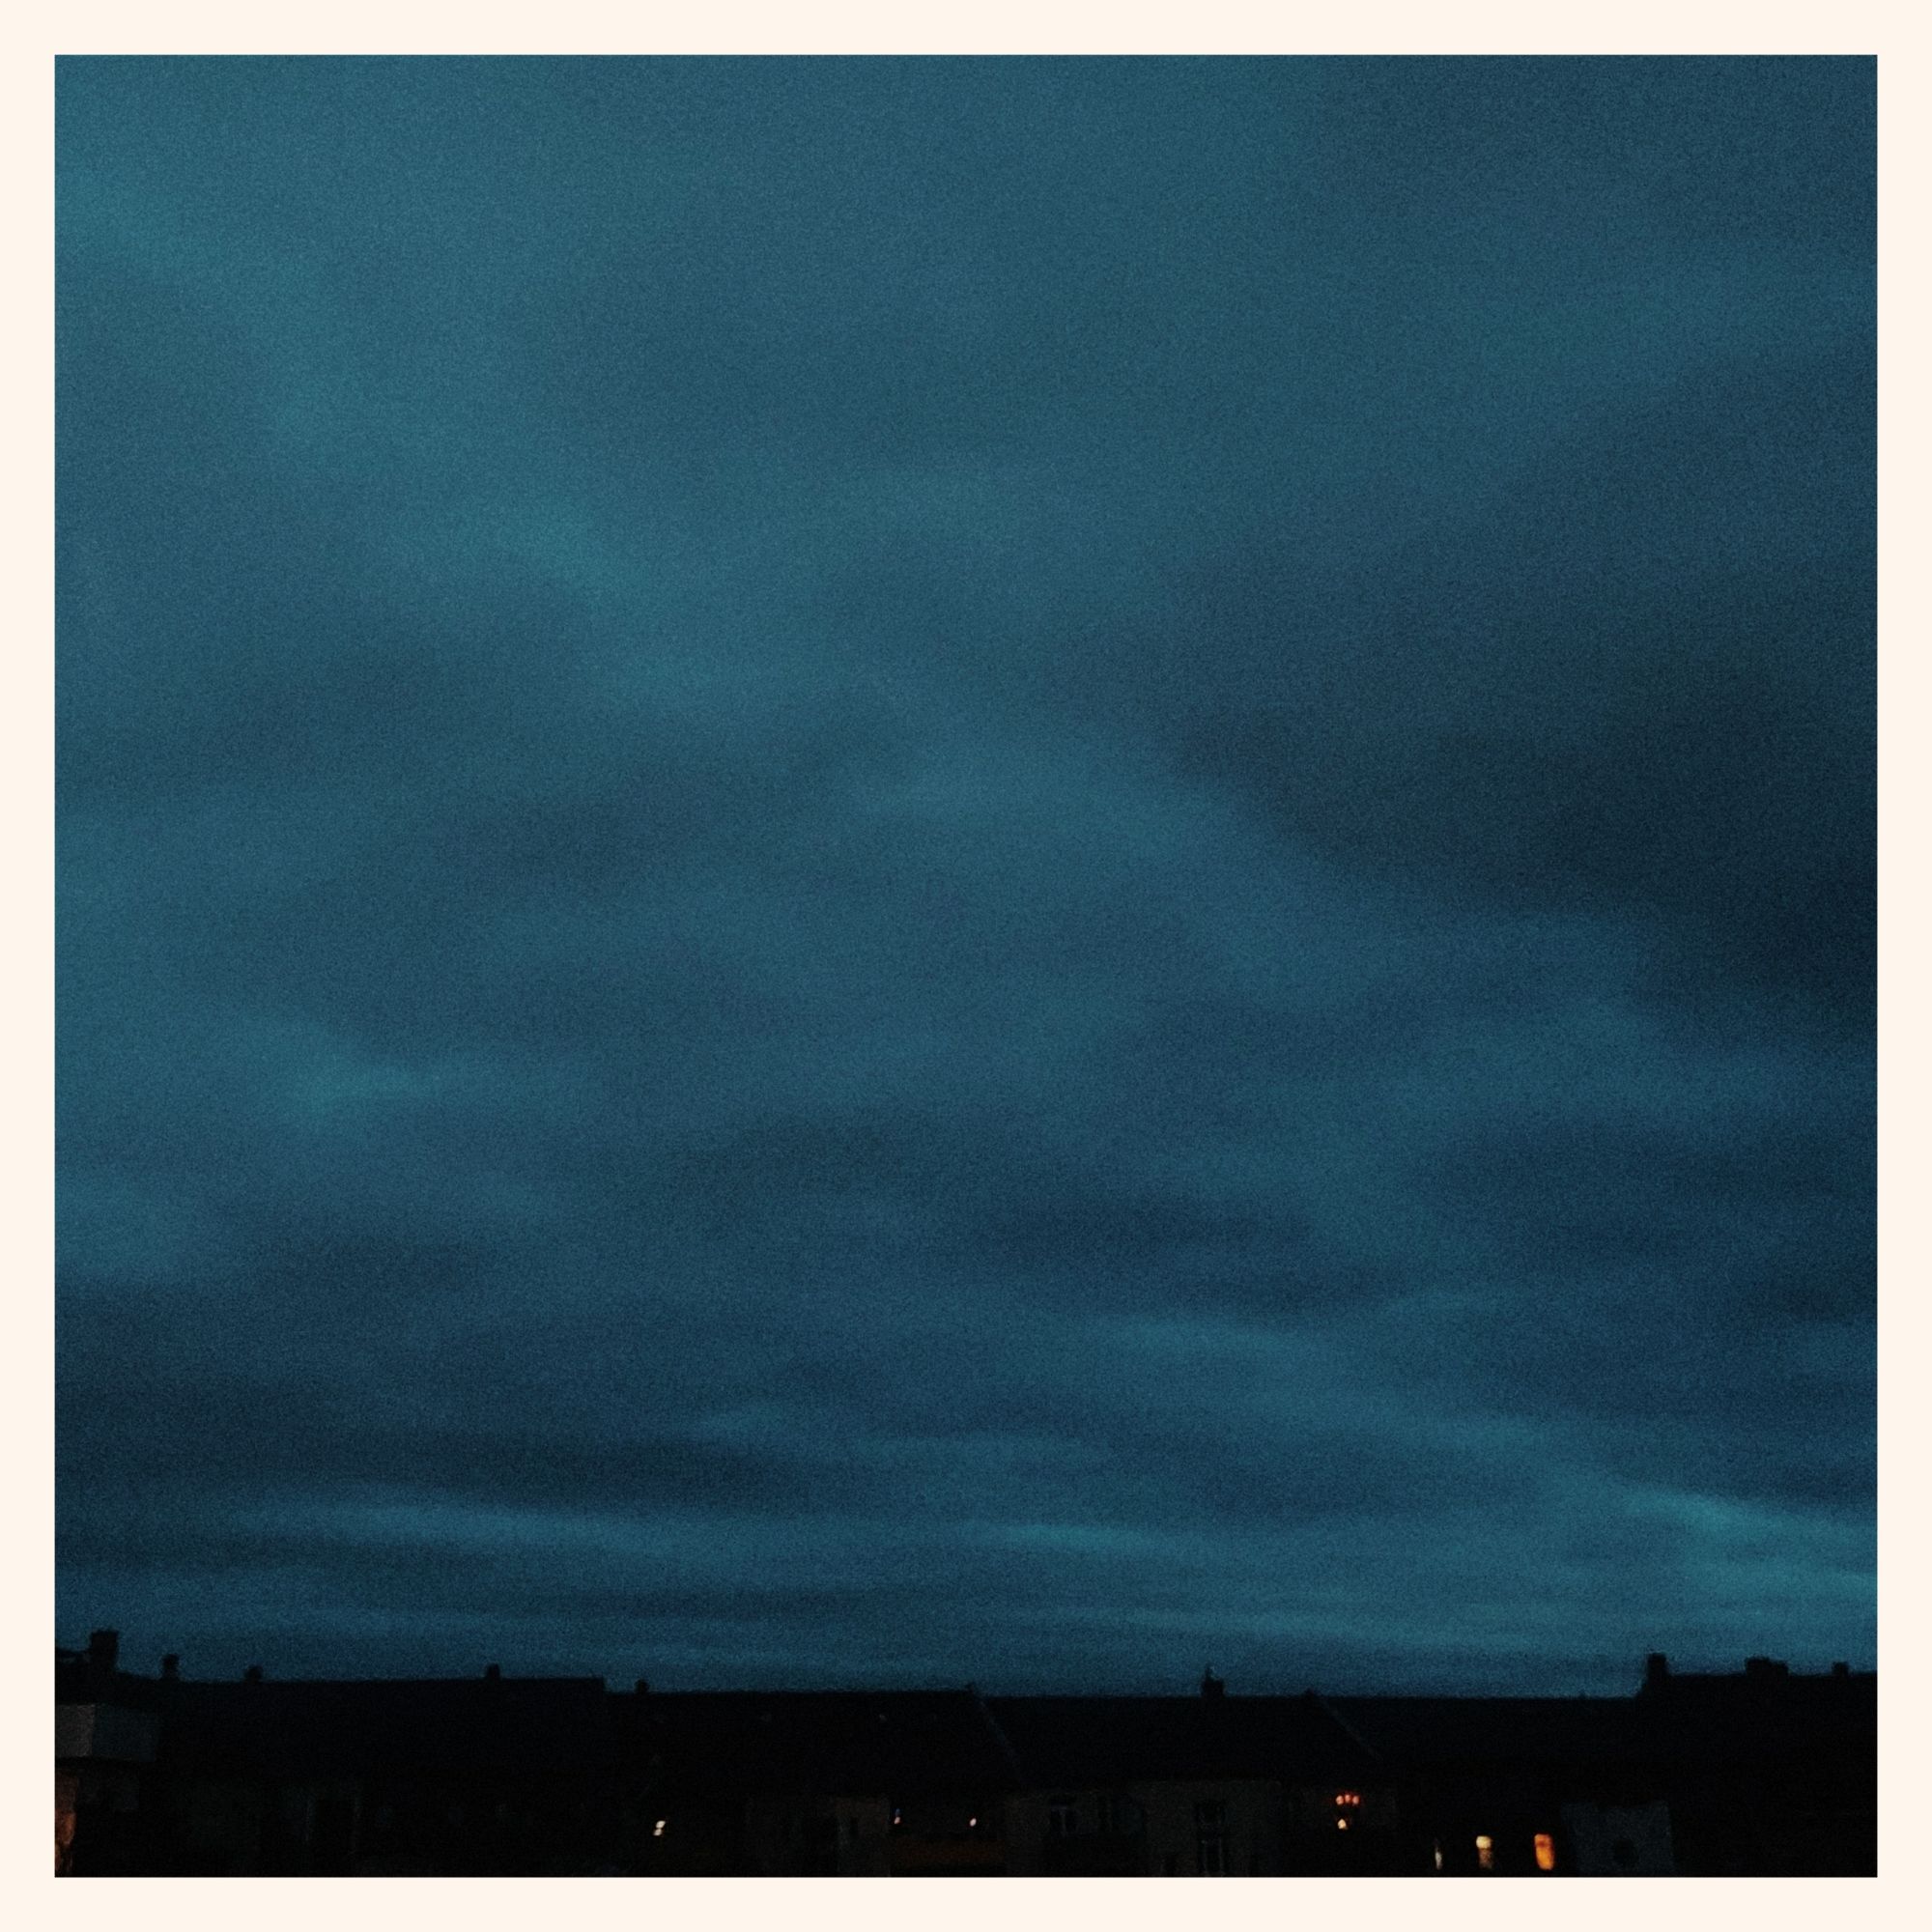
(891, 872)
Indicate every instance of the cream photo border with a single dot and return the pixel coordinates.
(1025, 27)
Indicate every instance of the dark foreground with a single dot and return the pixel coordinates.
(1763, 1772)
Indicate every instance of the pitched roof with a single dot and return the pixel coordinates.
(1437, 1731)
(79, 1679)
(1754, 1716)
(879, 1744)
(1090, 1742)
(508, 1726)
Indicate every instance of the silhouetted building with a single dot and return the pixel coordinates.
(1760, 1772)
(107, 1732)
(1756, 1772)
(1489, 1783)
(1766, 1771)
(1210, 1786)
(861, 1783)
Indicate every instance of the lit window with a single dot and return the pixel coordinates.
(1348, 1798)
(1438, 1854)
(1341, 1824)
(1546, 1851)
(1485, 1851)
(657, 1830)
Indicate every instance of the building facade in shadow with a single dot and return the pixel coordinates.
(1758, 1771)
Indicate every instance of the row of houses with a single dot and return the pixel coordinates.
(1761, 1772)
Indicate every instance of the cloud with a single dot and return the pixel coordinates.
(917, 871)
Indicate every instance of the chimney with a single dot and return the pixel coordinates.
(644, 1684)
(1841, 1670)
(493, 1673)
(252, 1675)
(103, 1649)
(1210, 1684)
(171, 1668)
(1656, 1670)
(1766, 1670)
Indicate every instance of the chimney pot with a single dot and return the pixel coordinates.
(171, 1666)
(252, 1675)
(1841, 1670)
(1656, 1667)
(493, 1673)
(644, 1684)
(1210, 1684)
(104, 1648)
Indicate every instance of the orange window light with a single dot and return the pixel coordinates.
(1546, 1851)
